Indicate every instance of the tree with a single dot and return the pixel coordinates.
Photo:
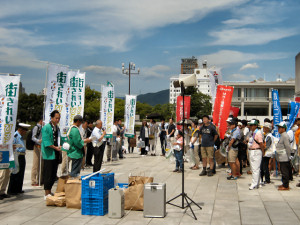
(30, 107)
(92, 104)
(200, 103)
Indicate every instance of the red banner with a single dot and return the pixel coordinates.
(234, 111)
(179, 107)
(222, 108)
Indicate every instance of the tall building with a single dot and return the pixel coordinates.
(202, 79)
(188, 65)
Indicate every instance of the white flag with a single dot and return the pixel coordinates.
(57, 94)
(130, 107)
(107, 108)
(9, 95)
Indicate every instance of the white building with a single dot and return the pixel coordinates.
(203, 83)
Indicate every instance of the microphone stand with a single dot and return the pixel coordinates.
(183, 195)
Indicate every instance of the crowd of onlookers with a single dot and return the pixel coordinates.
(245, 143)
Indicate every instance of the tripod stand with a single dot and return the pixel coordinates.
(183, 195)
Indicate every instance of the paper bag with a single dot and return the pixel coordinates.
(61, 183)
(219, 157)
(140, 179)
(134, 197)
(73, 193)
(56, 201)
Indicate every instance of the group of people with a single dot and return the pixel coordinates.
(84, 141)
(264, 148)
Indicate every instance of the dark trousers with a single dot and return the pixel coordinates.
(89, 154)
(50, 171)
(242, 156)
(179, 159)
(98, 157)
(163, 144)
(76, 166)
(132, 148)
(16, 180)
(143, 151)
(285, 172)
(264, 169)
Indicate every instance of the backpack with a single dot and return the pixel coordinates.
(29, 142)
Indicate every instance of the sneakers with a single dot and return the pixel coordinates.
(210, 173)
(46, 196)
(176, 170)
(252, 187)
(203, 173)
(232, 178)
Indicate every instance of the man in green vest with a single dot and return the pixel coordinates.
(76, 141)
(50, 151)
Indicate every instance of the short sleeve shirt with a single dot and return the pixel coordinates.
(208, 133)
(235, 134)
(258, 137)
(170, 128)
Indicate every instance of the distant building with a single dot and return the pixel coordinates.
(21, 88)
(202, 79)
(255, 98)
(188, 65)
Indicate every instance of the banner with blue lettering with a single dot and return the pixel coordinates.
(277, 115)
(293, 114)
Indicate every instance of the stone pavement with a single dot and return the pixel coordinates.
(223, 201)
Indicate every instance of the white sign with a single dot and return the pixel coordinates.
(9, 95)
(107, 108)
(130, 107)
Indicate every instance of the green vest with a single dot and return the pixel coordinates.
(47, 140)
(76, 144)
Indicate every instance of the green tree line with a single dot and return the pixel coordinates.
(30, 108)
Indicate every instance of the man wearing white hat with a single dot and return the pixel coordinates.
(255, 151)
(16, 180)
(283, 155)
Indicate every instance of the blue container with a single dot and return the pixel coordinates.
(97, 186)
(122, 185)
(94, 206)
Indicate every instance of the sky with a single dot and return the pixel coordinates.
(247, 39)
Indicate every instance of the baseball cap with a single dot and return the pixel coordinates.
(267, 125)
(282, 124)
(253, 122)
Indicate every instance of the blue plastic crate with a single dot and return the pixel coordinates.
(122, 185)
(94, 206)
(97, 186)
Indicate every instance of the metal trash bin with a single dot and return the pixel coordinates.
(116, 201)
(155, 200)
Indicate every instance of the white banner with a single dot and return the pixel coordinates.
(215, 78)
(107, 108)
(76, 96)
(9, 95)
(130, 107)
(58, 89)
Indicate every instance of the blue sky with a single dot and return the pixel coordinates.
(247, 39)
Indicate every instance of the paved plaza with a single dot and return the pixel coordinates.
(223, 201)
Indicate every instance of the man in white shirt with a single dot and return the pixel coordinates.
(99, 143)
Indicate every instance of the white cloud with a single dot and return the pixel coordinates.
(240, 77)
(18, 57)
(249, 66)
(259, 12)
(102, 70)
(227, 57)
(250, 36)
(110, 23)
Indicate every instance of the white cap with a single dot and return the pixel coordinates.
(267, 125)
(229, 119)
(24, 125)
(240, 124)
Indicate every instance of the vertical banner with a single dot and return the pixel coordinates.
(293, 114)
(107, 108)
(9, 95)
(57, 94)
(277, 115)
(222, 108)
(179, 108)
(234, 111)
(75, 95)
(130, 107)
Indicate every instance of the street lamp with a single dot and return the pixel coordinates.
(127, 71)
